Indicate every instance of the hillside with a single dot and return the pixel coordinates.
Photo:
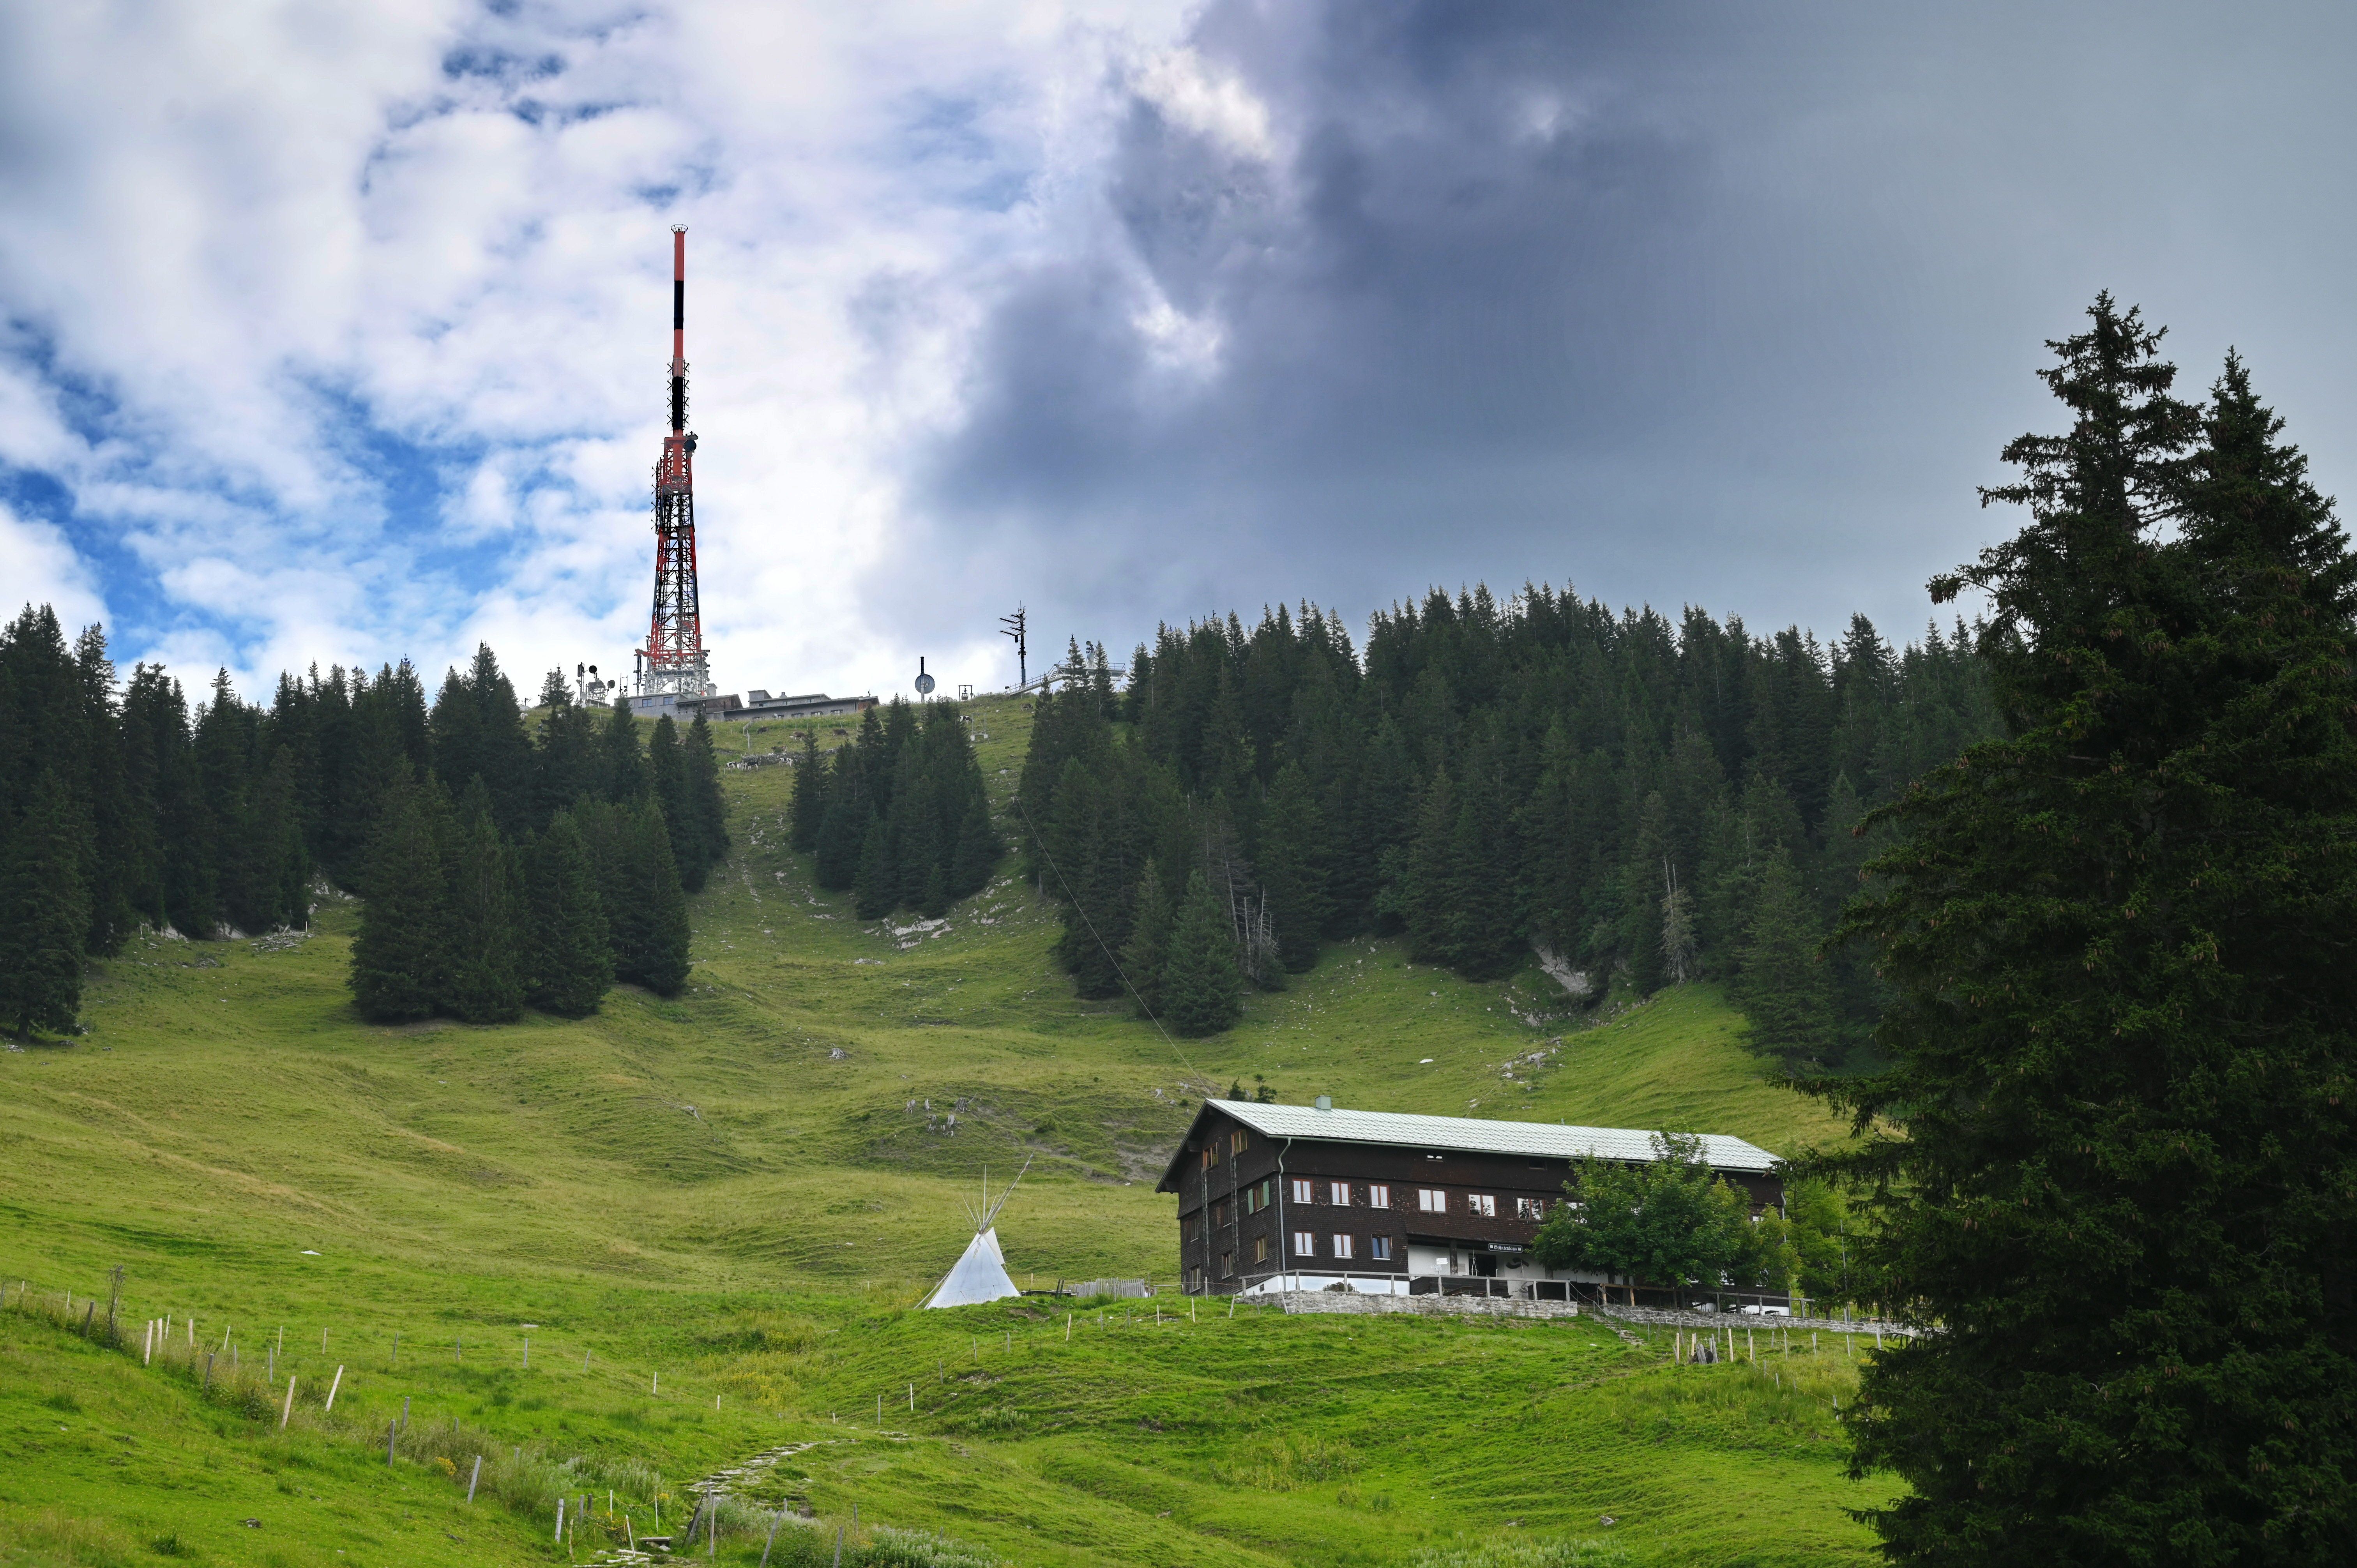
(733, 1189)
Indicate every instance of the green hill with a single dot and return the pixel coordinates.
(737, 1192)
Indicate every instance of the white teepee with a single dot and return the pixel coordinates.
(980, 1274)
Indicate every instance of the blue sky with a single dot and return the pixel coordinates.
(337, 332)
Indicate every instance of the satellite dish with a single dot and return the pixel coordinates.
(924, 683)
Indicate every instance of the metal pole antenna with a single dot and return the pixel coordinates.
(1017, 626)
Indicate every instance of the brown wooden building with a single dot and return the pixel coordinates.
(1304, 1197)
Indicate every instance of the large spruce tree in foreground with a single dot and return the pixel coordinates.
(2113, 1159)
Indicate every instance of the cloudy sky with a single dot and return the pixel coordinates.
(335, 329)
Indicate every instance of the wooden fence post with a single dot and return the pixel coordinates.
(289, 1411)
(332, 1388)
(475, 1477)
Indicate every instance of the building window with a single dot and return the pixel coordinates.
(1301, 1189)
(1343, 1246)
(1481, 1204)
(1379, 1196)
(1194, 1280)
(1260, 1249)
(1268, 1192)
(1238, 1142)
(1210, 1157)
(1227, 1266)
(1530, 1208)
(1305, 1245)
(1338, 1194)
(1380, 1248)
(1431, 1200)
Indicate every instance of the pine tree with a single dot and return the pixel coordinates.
(398, 951)
(1292, 865)
(1148, 954)
(44, 911)
(484, 967)
(2123, 1026)
(570, 960)
(1202, 989)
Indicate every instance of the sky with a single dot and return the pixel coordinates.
(335, 332)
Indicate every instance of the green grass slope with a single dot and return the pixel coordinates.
(713, 1212)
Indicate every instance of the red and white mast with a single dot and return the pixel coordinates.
(673, 661)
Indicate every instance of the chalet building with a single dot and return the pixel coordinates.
(1304, 1198)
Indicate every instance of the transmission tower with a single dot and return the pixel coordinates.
(673, 662)
(1016, 625)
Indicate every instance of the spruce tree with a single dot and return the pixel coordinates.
(809, 806)
(2113, 1155)
(843, 827)
(621, 766)
(978, 847)
(1425, 891)
(1489, 944)
(1202, 989)
(570, 960)
(1292, 865)
(484, 969)
(398, 951)
(667, 777)
(1147, 955)
(658, 954)
(44, 911)
(707, 806)
(1783, 989)
(877, 886)
(565, 760)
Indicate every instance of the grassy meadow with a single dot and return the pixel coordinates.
(709, 1216)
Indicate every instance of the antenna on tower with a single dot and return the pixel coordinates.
(672, 663)
(1017, 626)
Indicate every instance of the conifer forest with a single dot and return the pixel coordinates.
(1623, 793)
(499, 864)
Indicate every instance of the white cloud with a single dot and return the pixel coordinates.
(38, 567)
(1199, 96)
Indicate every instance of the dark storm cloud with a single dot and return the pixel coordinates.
(1682, 304)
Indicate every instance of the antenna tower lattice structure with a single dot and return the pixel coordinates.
(673, 662)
